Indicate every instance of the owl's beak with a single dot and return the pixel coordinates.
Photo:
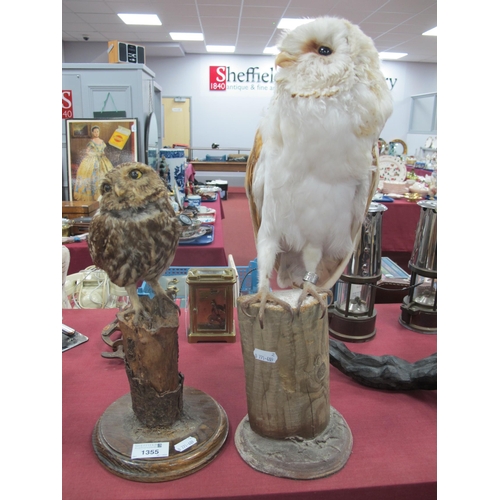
(284, 59)
(119, 191)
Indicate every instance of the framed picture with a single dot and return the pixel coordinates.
(94, 148)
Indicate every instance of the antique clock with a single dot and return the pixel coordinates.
(211, 304)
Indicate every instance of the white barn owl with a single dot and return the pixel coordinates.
(313, 169)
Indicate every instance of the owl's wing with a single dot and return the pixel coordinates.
(254, 198)
(97, 239)
(329, 270)
(255, 185)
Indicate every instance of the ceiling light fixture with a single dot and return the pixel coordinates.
(289, 23)
(220, 48)
(187, 37)
(143, 19)
(271, 51)
(392, 55)
(432, 32)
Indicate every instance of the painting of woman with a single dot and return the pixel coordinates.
(93, 167)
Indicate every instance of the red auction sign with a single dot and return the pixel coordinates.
(67, 104)
(218, 77)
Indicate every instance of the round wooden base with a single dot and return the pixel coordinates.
(297, 458)
(118, 430)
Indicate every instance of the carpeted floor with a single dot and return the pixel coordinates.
(238, 233)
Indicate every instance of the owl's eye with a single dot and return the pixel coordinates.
(135, 174)
(106, 188)
(324, 51)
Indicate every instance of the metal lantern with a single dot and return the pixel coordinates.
(419, 307)
(352, 316)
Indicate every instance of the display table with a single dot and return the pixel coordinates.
(394, 433)
(399, 225)
(213, 254)
(423, 172)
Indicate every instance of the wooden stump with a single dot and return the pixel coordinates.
(151, 363)
(288, 393)
(157, 409)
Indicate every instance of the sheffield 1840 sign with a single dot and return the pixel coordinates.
(67, 104)
(222, 78)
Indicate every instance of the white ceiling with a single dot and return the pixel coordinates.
(251, 25)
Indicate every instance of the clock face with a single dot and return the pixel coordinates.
(211, 306)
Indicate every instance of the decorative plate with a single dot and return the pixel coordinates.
(392, 168)
(200, 232)
(205, 210)
(201, 239)
(206, 219)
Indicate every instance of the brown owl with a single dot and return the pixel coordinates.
(135, 234)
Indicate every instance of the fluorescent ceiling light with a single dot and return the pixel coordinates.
(220, 48)
(183, 37)
(144, 19)
(432, 32)
(392, 55)
(289, 23)
(271, 50)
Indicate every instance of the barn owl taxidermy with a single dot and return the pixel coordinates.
(135, 234)
(313, 168)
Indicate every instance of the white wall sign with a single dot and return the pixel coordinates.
(247, 81)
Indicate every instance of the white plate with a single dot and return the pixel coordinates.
(205, 210)
(206, 219)
(392, 168)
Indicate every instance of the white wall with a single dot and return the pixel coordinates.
(231, 118)
(228, 118)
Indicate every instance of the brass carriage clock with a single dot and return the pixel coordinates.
(211, 304)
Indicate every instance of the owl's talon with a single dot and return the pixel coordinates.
(264, 297)
(244, 309)
(310, 289)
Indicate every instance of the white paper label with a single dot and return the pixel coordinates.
(150, 450)
(267, 356)
(184, 445)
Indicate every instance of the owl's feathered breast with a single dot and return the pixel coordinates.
(315, 144)
(135, 234)
(133, 246)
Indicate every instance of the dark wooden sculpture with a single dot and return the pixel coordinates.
(384, 372)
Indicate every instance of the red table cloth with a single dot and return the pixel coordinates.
(210, 255)
(399, 225)
(394, 433)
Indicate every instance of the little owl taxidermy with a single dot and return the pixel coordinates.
(313, 169)
(135, 234)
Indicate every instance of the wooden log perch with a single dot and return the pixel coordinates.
(151, 353)
(286, 368)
